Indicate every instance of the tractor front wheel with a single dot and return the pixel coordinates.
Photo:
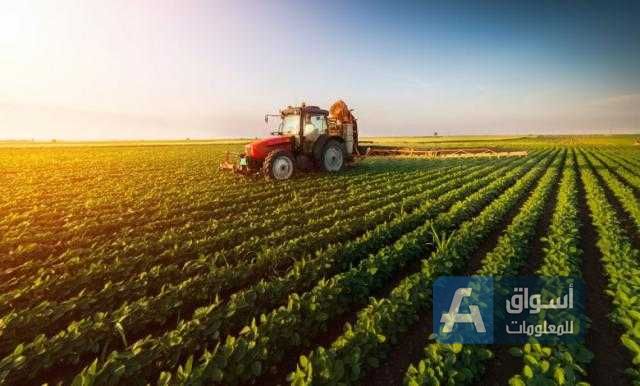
(333, 156)
(278, 165)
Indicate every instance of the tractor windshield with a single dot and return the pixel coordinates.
(290, 125)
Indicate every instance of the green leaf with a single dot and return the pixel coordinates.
(516, 381)
(18, 350)
(527, 371)
(515, 351)
(164, 379)
(544, 366)
(558, 376)
(304, 361)
(630, 344)
(120, 330)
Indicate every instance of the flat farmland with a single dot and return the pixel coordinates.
(142, 263)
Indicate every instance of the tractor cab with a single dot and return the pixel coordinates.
(305, 124)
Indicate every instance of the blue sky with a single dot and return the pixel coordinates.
(201, 69)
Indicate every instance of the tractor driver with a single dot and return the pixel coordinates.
(314, 125)
(309, 128)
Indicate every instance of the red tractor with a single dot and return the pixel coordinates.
(308, 137)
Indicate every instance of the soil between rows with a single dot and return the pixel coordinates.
(614, 165)
(609, 359)
(504, 365)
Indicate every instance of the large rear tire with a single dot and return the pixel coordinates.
(333, 156)
(278, 165)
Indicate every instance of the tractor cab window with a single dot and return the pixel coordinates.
(290, 125)
(315, 125)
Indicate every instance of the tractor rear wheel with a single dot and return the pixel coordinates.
(333, 156)
(278, 165)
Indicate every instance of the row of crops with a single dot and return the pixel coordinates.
(146, 265)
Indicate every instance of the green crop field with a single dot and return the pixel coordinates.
(141, 263)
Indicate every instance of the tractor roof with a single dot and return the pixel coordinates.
(290, 110)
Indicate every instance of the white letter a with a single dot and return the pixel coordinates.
(453, 316)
